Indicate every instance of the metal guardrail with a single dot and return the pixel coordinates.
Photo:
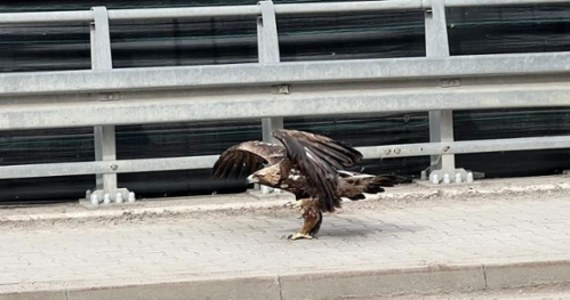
(254, 10)
(411, 69)
(270, 90)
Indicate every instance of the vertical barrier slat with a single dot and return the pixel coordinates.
(440, 122)
(267, 35)
(268, 52)
(104, 136)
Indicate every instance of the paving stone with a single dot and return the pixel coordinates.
(454, 233)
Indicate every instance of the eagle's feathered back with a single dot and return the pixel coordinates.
(319, 157)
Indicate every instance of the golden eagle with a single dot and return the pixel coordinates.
(308, 165)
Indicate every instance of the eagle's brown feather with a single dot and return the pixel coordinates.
(318, 158)
(247, 156)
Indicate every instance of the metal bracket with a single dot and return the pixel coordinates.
(283, 89)
(98, 197)
(448, 83)
(109, 96)
(426, 5)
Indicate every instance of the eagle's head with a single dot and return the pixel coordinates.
(270, 176)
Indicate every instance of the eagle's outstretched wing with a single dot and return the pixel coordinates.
(319, 157)
(247, 156)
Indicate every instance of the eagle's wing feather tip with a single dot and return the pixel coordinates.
(246, 156)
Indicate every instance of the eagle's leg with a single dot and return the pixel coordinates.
(313, 219)
(317, 226)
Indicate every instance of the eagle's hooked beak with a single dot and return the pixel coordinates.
(251, 179)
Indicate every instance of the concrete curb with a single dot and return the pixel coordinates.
(157, 208)
(256, 200)
(331, 284)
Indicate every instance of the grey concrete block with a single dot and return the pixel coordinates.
(342, 285)
(35, 295)
(254, 288)
(527, 274)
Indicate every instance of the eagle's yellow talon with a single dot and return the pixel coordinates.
(293, 204)
(288, 204)
(298, 236)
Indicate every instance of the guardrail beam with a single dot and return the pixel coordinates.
(252, 10)
(239, 75)
(160, 106)
(478, 3)
(207, 161)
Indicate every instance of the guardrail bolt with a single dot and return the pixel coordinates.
(106, 199)
(446, 148)
(114, 167)
(387, 151)
(448, 83)
(397, 150)
(458, 178)
(470, 177)
(119, 198)
(434, 179)
(446, 179)
(283, 89)
(93, 199)
(131, 198)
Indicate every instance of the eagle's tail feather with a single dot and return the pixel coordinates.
(375, 185)
(357, 197)
(370, 184)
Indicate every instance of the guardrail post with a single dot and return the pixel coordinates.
(440, 122)
(268, 53)
(104, 136)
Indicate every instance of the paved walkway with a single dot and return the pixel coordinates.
(436, 233)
